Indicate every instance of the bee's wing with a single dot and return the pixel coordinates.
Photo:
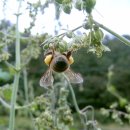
(47, 79)
(73, 77)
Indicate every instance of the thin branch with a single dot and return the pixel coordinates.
(5, 104)
(124, 40)
(81, 115)
(84, 110)
(12, 36)
(73, 96)
(119, 112)
(62, 34)
(10, 65)
(70, 30)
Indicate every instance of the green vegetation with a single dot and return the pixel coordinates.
(104, 94)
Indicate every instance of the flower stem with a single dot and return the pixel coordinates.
(73, 95)
(25, 80)
(124, 40)
(8, 106)
(81, 115)
(17, 74)
(25, 85)
(13, 101)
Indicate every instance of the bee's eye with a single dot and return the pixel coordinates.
(48, 59)
(65, 54)
(71, 60)
(68, 54)
(48, 52)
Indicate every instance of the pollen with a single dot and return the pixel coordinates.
(71, 60)
(48, 59)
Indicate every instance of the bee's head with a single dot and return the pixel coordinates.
(58, 62)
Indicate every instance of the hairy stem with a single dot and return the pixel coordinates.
(25, 85)
(5, 104)
(17, 74)
(81, 115)
(13, 101)
(62, 34)
(73, 95)
(124, 40)
(26, 90)
(53, 104)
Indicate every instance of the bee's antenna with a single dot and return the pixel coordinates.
(69, 54)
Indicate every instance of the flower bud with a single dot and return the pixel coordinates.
(46, 46)
(86, 25)
(78, 4)
(67, 8)
(99, 35)
(69, 34)
(89, 5)
(67, 1)
(59, 1)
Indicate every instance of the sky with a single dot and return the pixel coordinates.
(114, 14)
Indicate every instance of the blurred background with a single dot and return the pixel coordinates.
(106, 79)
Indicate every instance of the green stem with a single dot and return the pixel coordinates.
(53, 104)
(84, 110)
(17, 45)
(25, 85)
(13, 101)
(62, 34)
(17, 74)
(73, 96)
(81, 115)
(124, 40)
(10, 65)
(12, 36)
(25, 80)
(109, 83)
(70, 30)
(5, 104)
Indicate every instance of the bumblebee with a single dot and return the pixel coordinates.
(59, 63)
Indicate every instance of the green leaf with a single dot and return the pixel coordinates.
(114, 115)
(105, 112)
(6, 92)
(128, 108)
(4, 76)
(59, 1)
(114, 105)
(111, 89)
(78, 4)
(105, 48)
(123, 102)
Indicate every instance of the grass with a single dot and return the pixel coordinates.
(23, 123)
(115, 127)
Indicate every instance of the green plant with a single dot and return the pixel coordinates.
(121, 103)
(51, 110)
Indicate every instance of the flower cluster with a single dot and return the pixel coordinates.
(54, 115)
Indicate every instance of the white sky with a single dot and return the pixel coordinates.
(115, 15)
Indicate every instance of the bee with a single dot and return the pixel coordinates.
(59, 62)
